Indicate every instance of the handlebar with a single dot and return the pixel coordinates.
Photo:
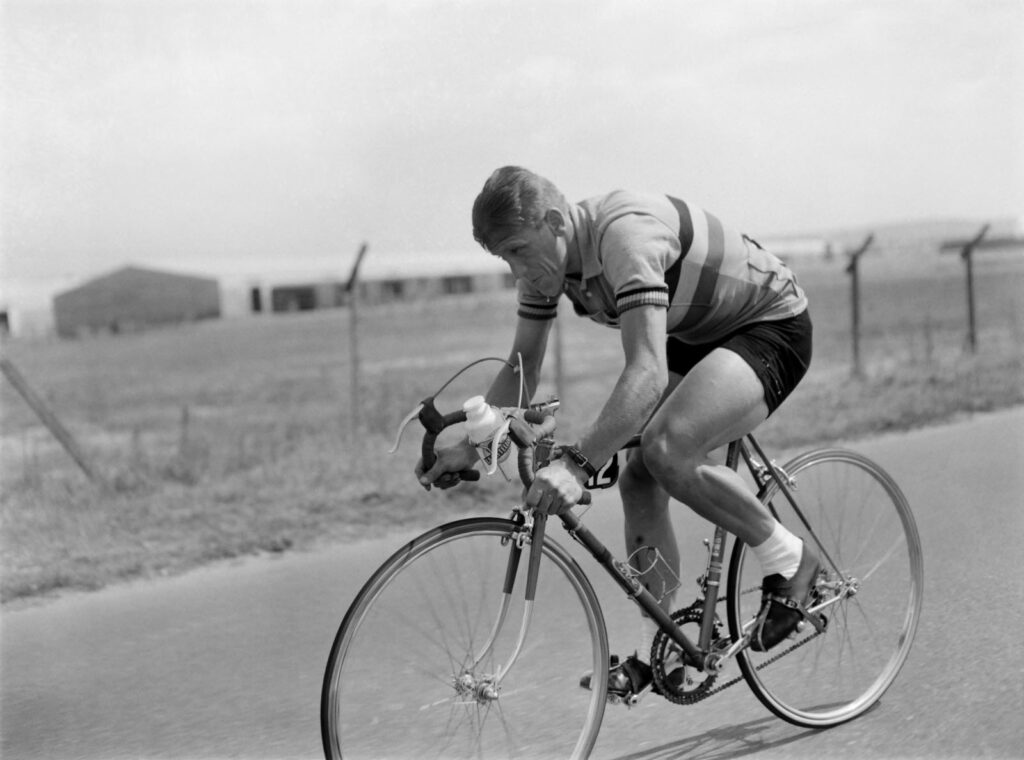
(530, 429)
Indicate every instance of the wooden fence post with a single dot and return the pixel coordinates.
(50, 420)
(853, 270)
(559, 359)
(355, 378)
(967, 254)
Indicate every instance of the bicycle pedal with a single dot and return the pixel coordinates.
(820, 623)
(629, 700)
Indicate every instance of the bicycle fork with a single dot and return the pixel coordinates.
(487, 688)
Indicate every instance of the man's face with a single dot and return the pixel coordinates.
(536, 254)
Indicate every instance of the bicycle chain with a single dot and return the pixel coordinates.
(698, 694)
(659, 647)
(765, 664)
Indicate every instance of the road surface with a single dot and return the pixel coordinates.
(227, 662)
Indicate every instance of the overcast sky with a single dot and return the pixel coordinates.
(215, 135)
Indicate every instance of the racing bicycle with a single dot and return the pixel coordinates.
(470, 640)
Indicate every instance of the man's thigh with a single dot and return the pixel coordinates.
(719, 400)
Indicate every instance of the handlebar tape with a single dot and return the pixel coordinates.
(434, 422)
(526, 471)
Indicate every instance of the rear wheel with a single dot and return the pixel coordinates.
(416, 667)
(870, 592)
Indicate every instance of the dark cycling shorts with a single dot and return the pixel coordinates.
(779, 352)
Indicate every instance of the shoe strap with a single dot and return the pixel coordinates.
(792, 604)
(631, 667)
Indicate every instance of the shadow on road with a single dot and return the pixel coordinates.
(726, 742)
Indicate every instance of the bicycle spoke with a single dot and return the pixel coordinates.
(413, 669)
(865, 526)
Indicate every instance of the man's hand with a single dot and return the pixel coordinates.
(450, 459)
(557, 487)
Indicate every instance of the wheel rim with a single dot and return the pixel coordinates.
(867, 530)
(405, 681)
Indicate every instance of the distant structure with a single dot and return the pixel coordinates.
(133, 299)
(332, 294)
(801, 249)
(385, 278)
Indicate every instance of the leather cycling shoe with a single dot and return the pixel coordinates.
(627, 678)
(784, 601)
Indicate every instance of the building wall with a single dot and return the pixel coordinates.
(328, 294)
(412, 288)
(132, 299)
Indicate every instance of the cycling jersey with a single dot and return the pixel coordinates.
(634, 249)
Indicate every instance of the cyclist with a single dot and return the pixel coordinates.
(715, 333)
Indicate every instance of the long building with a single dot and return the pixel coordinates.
(133, 299)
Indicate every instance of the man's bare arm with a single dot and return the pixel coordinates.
(531, 341)
(639, 387)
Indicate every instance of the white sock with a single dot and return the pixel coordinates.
(646, 632)
(780, 553)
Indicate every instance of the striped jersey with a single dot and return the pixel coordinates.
(634, 249)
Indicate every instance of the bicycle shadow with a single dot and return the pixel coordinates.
(732, 741)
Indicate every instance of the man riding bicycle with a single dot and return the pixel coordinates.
(715, 333)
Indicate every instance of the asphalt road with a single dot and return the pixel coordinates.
(227, 662)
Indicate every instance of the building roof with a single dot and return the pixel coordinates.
(133, 273)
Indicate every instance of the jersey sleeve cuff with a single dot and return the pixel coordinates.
(632, 299)
(538, 311)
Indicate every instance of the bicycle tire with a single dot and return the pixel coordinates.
(865, 527)
(395, 683)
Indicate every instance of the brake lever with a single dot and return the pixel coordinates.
(414, 414)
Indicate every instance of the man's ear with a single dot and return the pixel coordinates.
(556, 220)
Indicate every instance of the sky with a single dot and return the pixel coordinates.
(231, 137)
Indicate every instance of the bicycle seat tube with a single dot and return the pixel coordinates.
(713, 576)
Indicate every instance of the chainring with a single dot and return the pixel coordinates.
(690, 685)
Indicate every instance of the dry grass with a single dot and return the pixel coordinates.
(235, 438)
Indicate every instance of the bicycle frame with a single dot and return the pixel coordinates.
(421, 615)
(700, 652)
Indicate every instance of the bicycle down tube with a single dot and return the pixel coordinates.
(628, 581)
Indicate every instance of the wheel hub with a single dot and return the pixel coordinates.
(483, 690)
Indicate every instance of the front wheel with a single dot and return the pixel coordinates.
(416, 669)
(870, 591)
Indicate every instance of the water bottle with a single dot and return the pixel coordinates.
(483, 422)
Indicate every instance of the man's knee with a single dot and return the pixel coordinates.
(671, 455)
(635, 477)
(643, 497)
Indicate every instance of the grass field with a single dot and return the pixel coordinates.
(233, 438)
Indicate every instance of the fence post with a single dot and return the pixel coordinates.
(853, 270)
(352, 291)
(559, 359)
(967, 254)
(50, 420)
